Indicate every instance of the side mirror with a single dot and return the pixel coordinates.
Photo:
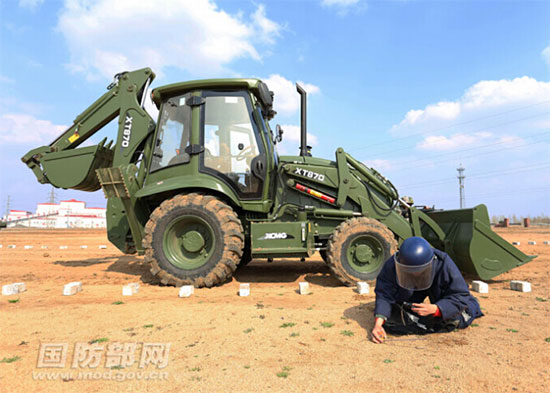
(279, 134)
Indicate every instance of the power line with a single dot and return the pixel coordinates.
(478, 175)
(452, 125)
(408, 147)
(407, 163)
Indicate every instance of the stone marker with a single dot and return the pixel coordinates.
(544, 242)
(130, 289)
(516, 243)
(1, 246)
(186, 291)
(11, 246)
(27, 247)
(304, 288)
(103, 247)
(480, 286)
(362, 288)
(521, 286)
(83, 247)
(72, 288)
(244, 289)
(14, 289)
(44, 247)
(63, 247)
(532, 243)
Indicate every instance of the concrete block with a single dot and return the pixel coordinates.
(72, 288)
(14, 289)
(11, 246)
(130, 289)
(63, 247)
(244, 289)
(27, 247)
(516, 243)
(304, 288)
(186, 291)
(520, 286)
(44, 247)
(532, 243)
(362, 288)
(84, 247)
(102, 247)
(480, 286)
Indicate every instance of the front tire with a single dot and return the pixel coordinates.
(193, 239)
(358, 249)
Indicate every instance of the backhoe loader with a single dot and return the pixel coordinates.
(202, 190)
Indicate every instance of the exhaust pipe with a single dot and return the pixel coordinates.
(304, 148)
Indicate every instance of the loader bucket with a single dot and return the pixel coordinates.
(475, 248)
(76, 168)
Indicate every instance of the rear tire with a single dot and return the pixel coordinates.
(193, 239)
(358, 249)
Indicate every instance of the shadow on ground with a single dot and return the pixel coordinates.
(285, 271)
(127, 264)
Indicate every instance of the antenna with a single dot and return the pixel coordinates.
(461, 178)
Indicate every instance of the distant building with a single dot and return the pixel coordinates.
(66, 214)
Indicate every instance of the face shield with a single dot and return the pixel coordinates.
(414, 277)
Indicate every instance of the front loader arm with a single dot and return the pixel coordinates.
(125, 98)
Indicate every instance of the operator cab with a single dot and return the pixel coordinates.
(231, 136)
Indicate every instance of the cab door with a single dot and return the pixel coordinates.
(233, 149)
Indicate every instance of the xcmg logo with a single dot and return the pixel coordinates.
(276, 236)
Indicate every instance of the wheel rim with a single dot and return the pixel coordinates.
(365, 253)
(188, 242)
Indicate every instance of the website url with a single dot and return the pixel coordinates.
(111, 375)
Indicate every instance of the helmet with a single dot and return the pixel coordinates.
(414, 264)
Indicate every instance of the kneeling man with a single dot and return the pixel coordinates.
(415, 272)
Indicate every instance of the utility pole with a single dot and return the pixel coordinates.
(52, 196)
(461, 178)
(8, 207)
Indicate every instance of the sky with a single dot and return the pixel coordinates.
(413, 89)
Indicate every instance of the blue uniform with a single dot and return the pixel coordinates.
(449, 292)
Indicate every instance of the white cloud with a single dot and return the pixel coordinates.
(5, 79)
(339, 3)
(287, 99)
(546, 55)
(485, 104)
(30, 4)
(109, 36)
(379, 164)
(291, 140)
(23, 128)
(453, 142)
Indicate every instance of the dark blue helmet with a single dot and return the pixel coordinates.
(415, 251)
(414, 264)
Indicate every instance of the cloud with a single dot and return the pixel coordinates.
(506, 105)
(5, 79)
(23, 128)
(453, 142)
(109, 36)
(287, 99)
(30, 4)
(379, 165)
(339, 3)
(546, 55)
(291, 140)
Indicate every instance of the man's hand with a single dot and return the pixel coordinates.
(424, 309)
(378, 332)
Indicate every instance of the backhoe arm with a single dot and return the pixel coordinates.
(63, 165)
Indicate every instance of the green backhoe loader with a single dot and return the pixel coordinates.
(203, 190)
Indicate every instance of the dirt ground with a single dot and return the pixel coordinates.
(274, 340)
